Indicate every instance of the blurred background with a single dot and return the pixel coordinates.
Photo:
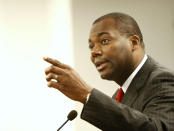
(31, 29)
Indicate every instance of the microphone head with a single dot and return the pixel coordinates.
(72, 115)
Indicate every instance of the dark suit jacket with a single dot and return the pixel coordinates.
(148, 104)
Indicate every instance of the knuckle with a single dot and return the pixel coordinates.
(52, 84)
(48, 70)
(51, 68)
(49, 77)
(69, 67)
(49, 84)
(66, 66)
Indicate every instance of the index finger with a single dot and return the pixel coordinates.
(54, 62)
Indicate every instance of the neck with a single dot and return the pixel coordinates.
(137, 58)
(120, 79)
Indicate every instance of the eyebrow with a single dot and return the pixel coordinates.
(102, 33)
(99, 34)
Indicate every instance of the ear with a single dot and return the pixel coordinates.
(135, 42)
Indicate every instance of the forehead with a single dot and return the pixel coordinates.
(105, 25)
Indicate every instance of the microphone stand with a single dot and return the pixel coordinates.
(63, 125)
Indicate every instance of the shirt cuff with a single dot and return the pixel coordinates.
(87, 98)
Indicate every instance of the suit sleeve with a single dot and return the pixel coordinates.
(108, 115)
(157, 115)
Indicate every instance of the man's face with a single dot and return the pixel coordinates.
(111, 52)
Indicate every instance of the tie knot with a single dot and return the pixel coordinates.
(119, 95)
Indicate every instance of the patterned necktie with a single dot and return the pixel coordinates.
(119, 95)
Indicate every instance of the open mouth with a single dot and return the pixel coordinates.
(101, 65)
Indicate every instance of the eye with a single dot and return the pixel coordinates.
(105, 41)
(91, 46)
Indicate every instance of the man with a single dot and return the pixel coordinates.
(145, 101)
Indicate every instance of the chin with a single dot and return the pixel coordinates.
(106, 76)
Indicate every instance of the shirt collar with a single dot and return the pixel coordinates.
(130, 78)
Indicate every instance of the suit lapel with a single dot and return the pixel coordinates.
(138, 82)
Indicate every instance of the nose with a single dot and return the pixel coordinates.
(96, 51)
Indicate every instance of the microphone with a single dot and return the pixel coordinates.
(71, 116)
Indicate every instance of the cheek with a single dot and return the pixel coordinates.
(117, 54)
(110, 52)
(92, 59)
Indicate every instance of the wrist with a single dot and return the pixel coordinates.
(86, 96)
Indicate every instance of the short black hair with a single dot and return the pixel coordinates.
(125, 24)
